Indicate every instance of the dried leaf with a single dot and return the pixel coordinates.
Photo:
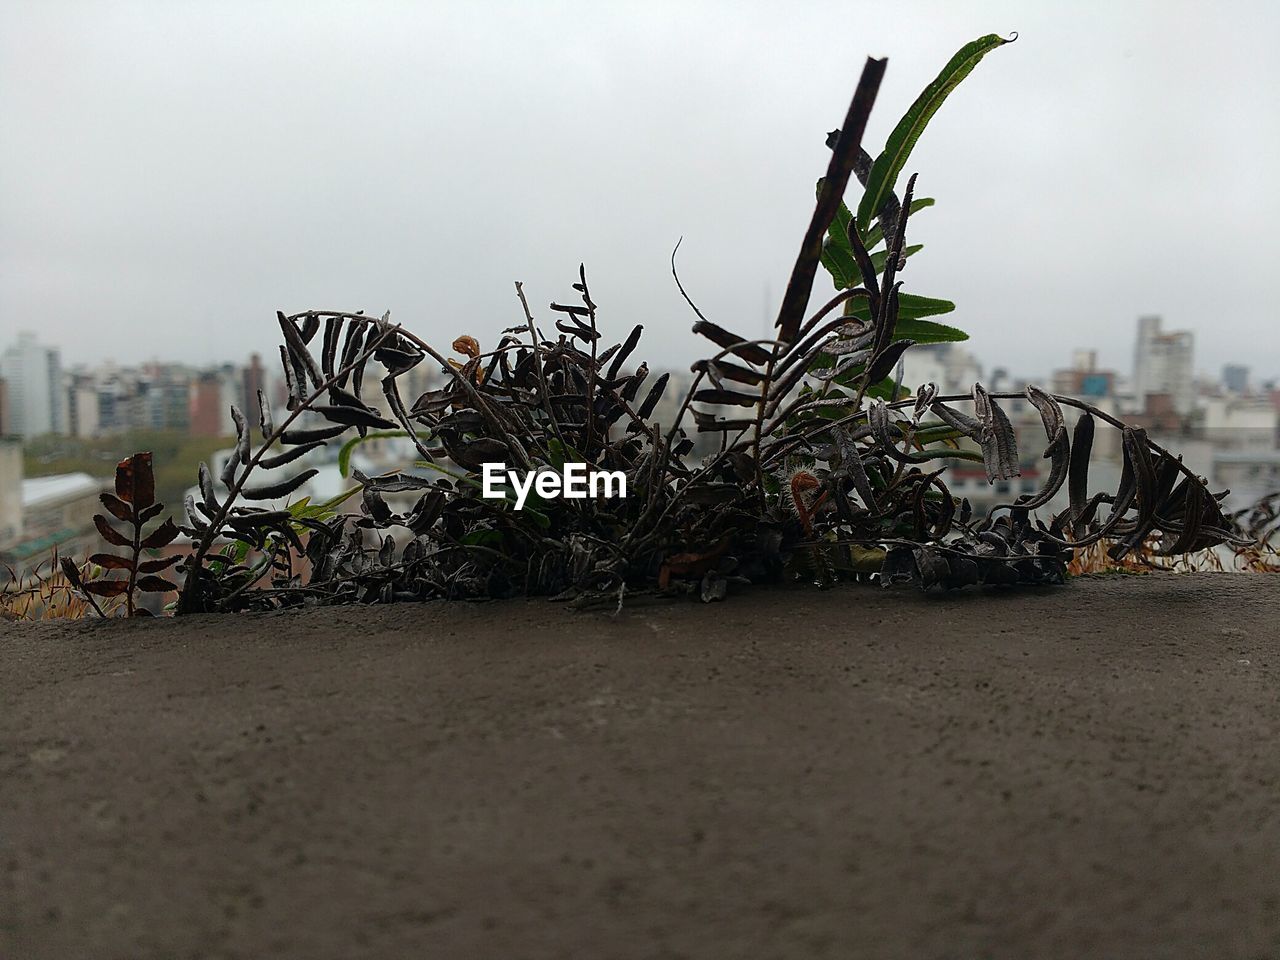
(155, 566)
(998, 441)
(116, 507)
(135, 482)
(355, 416)
(161, 536)
(298, 437)
(883, 365)
(277, 491)
(211, 504)
(107, 588)
(153, 584)
(1078, 475)
(726, 398)
(109, 561)
(625, 351)
(109, 533)
(739, 346)
(289, 455)
(265, 423)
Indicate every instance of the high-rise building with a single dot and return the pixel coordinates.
(1235, 377)
(1162, 365)
(34, 377)
(172, 398)
(255, 379)
(82, 406)
(207, 417)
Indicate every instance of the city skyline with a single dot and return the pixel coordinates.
(1115, 355)
(181, 176)
(39, 395)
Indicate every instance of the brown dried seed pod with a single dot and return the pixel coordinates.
(467, 346)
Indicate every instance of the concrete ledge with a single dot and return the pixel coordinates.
(1090, 771)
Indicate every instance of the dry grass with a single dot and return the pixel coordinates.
(48, 595)
(1260, 558)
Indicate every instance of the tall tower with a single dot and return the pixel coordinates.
(33, 377)
(1148, 330)
(255, 379)
(1162, 364)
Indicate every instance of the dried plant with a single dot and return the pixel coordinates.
(1254, 548)
(52, 595)
(826, 468)
(1261, 522)
(134, 503)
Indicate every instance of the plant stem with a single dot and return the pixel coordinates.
(195, 563)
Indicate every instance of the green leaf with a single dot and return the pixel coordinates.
(821, 361)
(887, 166)
(973, 456)
(911, 306)
(482, 538)
(876, 236)
(840, 264)
(866, 559)
(843, 267)
(304, 509)
(884, 390)
(927, 331)
(837, 252)
(559, 453)
(538, 516)
(459, 477)
(344, 455)
(936, 433)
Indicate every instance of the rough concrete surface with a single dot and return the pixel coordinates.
(1088, 771)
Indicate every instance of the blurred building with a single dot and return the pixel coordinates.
(953, 368)
(1160, 415)
(169, 406)
(33, 374)
(1235, 378)
(1238, 423)
(1083, 379)
(57, 514)
(1250, 475)
(255, 379)
(82, 406)
(1162, 365)
(10, 491)
(206, 413)
(111, 399)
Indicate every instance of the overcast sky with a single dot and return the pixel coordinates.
(172, 173)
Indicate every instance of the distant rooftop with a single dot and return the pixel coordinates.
(45, 491)
(1261, 457)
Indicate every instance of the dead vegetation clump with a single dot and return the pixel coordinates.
(825, 466)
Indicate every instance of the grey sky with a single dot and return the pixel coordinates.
(178, 171)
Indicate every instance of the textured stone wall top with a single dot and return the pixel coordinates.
(1085, 771)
